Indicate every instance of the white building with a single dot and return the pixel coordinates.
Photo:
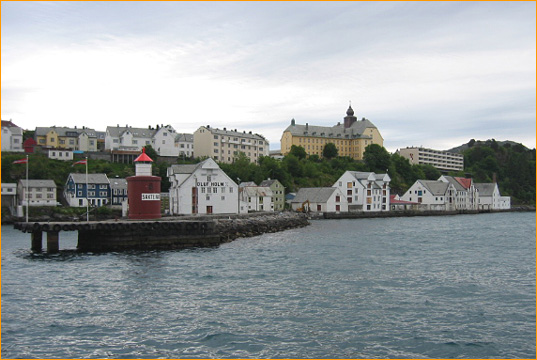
(11, 137)
(9, 196)
(432, 195)
(467, 195)
(185, 145)
(326, 199)
(60, 154)
(490, 198)
(441, 160)
(40, 193)
(257, 198)
(365, 191)
(202, 188)
(226, 145)
(127, 138)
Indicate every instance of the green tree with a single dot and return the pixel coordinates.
(330, 151)
(298, 151)
(152, 153)
(377, 158)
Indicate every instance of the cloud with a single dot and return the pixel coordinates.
(429, 73)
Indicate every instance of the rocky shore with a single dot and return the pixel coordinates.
(248, 226)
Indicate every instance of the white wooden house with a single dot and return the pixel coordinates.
(432, 195)
(324, 199)
(365, 191)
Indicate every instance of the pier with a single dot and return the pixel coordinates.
(121, 235)
(175, 233)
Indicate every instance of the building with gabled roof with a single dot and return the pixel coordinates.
(323, 199)
(365, 191)
(81, 139)
(185, 145)
(11, 137)
(81, 189)
(467, 195)
(201, 188)
(127, 138)
(490, 198)
(350, 138)
(40, 192)
(432, 195)
(257, 198)
(278, 193)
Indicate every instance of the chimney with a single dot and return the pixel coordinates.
(306, 126)
(494, 180)
(292, 122)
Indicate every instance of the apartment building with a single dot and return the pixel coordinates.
(350, 137)
(442, 160)
(225, 145)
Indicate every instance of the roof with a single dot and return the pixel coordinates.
(247, 183)
(118, 183)
(190, 168)
(184, 138)
(393, 200)
(485, 189)
(268, 182)
(92, 178)
(465, 182)
(314, 195)
(456, 183)
(8, 123)
(143, 157)
(117, 131)
(257, 191)
(435, 187)
(38, 183)
(226, 132)
(65, 131)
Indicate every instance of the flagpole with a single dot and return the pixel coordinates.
(87, 192)
(26, 188)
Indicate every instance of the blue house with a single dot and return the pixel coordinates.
(97, 193)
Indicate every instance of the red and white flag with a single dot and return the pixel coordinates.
(21, 161)
(81, 162)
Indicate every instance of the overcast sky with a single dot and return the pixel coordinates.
(433, 74)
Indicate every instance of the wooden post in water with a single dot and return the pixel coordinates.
(37, 241)
(53, 245)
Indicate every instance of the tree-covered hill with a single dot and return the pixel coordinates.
(512, 166)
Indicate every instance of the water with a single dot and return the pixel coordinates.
(435, 287)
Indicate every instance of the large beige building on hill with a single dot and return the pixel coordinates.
(350, 138)
(225, 145)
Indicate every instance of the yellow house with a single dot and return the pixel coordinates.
(350, 138)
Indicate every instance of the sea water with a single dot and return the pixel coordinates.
(422, 287)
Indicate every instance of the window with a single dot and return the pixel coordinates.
(133, 141)
(115, 141)
(50, 196)
(38, 196)
(349, 185)
(215, 190)
(216, 137)
(231, 190)
(102, 193)
(203, 190)
(79, 193)
(165, 134)
(349, 200)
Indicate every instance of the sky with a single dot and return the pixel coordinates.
(432, 74)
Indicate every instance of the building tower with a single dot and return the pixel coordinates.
(350, 118)
(143, 190)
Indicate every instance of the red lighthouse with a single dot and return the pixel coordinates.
(143, 190)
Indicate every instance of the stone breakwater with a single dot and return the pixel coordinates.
(233, 228)
(165, 234)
